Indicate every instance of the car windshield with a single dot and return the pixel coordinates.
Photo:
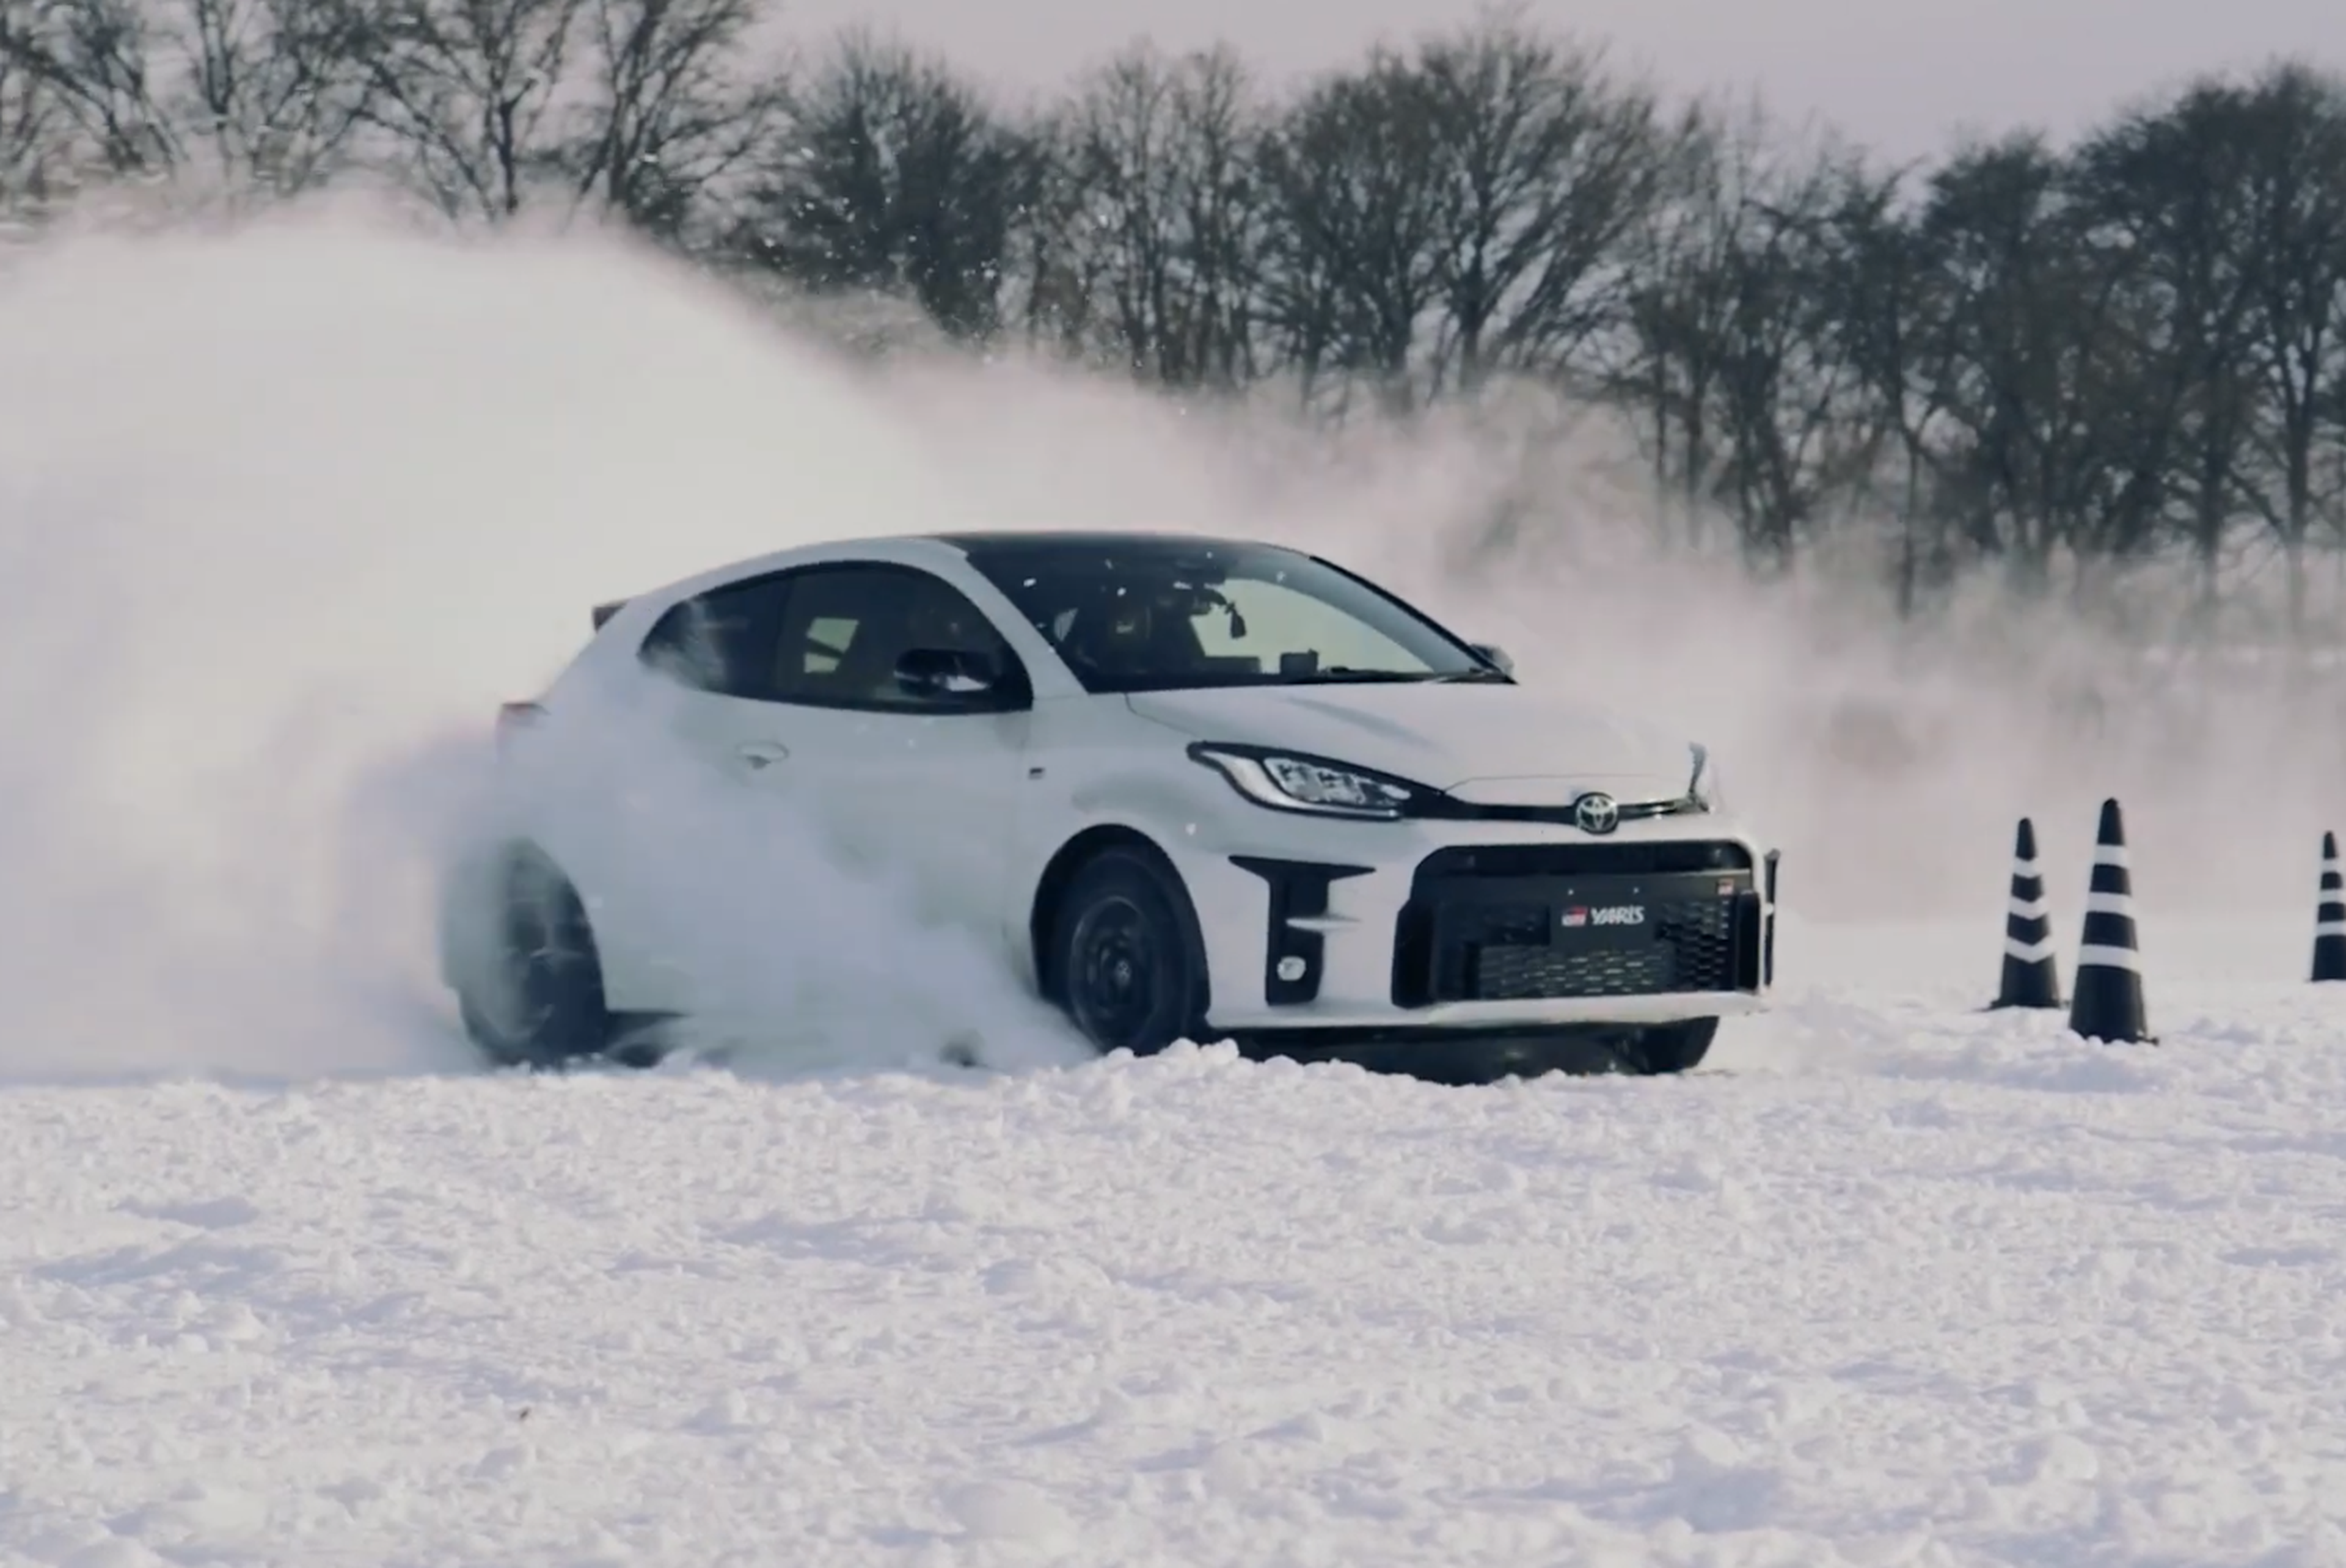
(1150, 614)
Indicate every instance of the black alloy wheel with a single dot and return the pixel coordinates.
(1126, 958)
(1669, 1048)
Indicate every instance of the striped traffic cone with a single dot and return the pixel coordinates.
(2031, 978)
(2108, 1005)
(2330, 917)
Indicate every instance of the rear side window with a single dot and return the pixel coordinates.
(722, 641)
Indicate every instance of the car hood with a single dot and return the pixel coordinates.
(1491, 744)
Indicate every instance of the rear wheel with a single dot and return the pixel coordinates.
(1127, 964)
(536, 998)
(1673, 1047)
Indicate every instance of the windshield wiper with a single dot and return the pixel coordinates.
(1336, 674)
(1497, 675)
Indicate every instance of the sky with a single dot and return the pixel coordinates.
(1905, 78)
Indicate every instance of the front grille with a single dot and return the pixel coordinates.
(1490, 924)
(1503, 955)
(1617, 858)
(1449, 807)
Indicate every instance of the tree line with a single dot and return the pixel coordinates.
(2052, 362)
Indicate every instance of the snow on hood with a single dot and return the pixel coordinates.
(1495, 745)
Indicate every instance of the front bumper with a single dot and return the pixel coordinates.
(1434, 928)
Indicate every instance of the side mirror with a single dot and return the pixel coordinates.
(1497, 657)
(946, 672)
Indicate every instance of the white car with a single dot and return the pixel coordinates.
(1195, 787)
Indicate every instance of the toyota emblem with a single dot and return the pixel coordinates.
(1596, 812)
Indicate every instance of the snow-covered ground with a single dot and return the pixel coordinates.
(284, 513)
(1890, 1281)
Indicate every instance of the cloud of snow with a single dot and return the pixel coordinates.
(794, 964)
(286, 511)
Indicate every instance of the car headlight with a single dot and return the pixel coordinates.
(1702, 785)
(1286, 781)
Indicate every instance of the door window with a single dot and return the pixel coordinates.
(843, 630)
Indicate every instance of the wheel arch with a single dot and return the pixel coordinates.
(1059, 875)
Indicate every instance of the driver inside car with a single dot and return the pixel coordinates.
(1131, 635)
(939, 623)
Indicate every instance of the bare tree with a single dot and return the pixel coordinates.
(2025, 358)
(2034, 390)
(276, 89)
(1052, 283)
(895, 177)
(465, 90)
(676, 106)
(2293, 124)
(33, 125)
(1156, 225)
(1543, 166)
(94, 61)
(1667, 361)
(1353, 178)
(1890, 311)
(2164, 196)
(1792, 389)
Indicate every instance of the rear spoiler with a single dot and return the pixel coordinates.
(603, 613)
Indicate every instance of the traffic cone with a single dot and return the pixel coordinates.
(2108, 1005)
(2329, 918)
(2031, 978)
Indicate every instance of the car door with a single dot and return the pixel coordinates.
(718, 651)
(908, 780)
(696, 754)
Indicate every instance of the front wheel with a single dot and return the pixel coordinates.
(1125, 956)
(1673, 1047)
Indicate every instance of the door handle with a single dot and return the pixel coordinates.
(761, 754)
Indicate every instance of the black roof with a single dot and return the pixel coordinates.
(1102, 540)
